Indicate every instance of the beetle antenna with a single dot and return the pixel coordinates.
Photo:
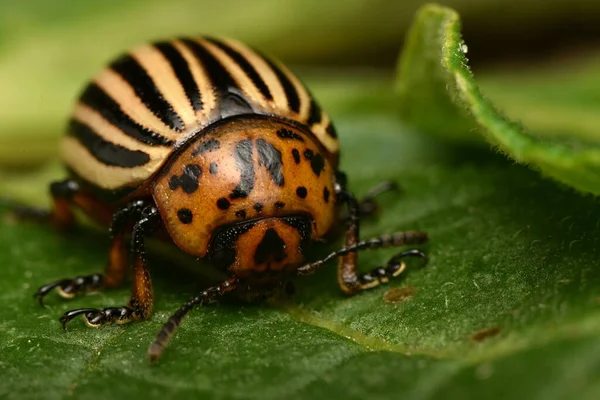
(170, 327)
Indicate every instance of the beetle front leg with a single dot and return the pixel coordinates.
(170, 327)
(350, 279)
(367, 206)
(140, 304)
(116, 269)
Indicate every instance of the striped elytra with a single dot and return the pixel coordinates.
(135, 112)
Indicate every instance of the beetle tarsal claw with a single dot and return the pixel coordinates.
(95, 318)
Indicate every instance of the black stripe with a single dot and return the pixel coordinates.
(315, 113)
(129, 68)
(331, 130)
(245, 66)
(183, 73)
(222, 250)
(288, 87)
(219, 76)
(270, 157)
(106, 152)
(96, 98)
(244, 162)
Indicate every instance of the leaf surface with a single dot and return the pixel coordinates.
(437, 89)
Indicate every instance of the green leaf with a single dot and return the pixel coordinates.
(509, 252)
(438, 94)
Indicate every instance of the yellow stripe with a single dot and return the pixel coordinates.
(244, 82)
(303, 94)
(163, 76)
(266, 73)
(117, 88)
(79, 159)
(110, 133)
(207, 93)
(332, 144)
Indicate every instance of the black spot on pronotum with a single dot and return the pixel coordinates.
(214, 168)
(258, 207)
(317, 164)
(223, 203)
(270, 157)
(288, 134)
(240, 213)
(185, 215)
(296, 155)
(326, 195)
(271, 246)
(279, 205)
(188, 180)
(301, 192)
(209, 145)
(245, 164)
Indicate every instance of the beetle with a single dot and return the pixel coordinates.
(224, 152)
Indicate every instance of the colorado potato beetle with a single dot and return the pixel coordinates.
(225, 151)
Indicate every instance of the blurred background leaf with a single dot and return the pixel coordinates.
(49, 49)
(437, 88)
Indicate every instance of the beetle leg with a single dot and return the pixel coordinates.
(349, 279)
(140, 304)
(65, 196)
(116, 269)
(170, 327)
(368, 206)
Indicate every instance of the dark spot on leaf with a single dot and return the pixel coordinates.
(214, 168)
(484, 334)
(399, 294)
(279, 205)
(258, 207)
